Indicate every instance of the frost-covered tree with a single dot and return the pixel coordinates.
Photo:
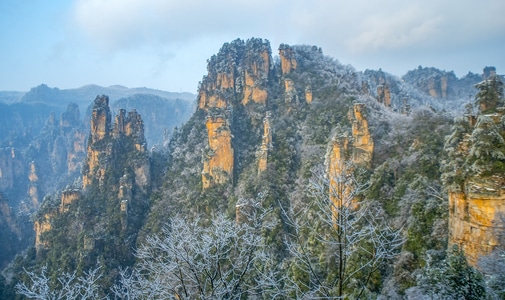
(490, 94)
(493, 265)
(223, 260)
(454, 170)
(486, 154)
(69, 286)
(453, 278)
(338, 243)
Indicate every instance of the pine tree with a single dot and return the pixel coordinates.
(490, 94)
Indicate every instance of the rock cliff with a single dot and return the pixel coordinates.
(477, 202)
(477, 217)
(288, 59)
(218, 160)
(266, 144)
(108, 143)
(362, 142)
(116, 180)
(344, 153)
(237, 79)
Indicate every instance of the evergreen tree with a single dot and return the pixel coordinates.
(487, 147)
(490, 94)
(453, 278)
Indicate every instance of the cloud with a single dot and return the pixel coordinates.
(360, 26)
(399, 29)
(116, 24)
(353, 32)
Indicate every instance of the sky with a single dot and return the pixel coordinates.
(165, 44)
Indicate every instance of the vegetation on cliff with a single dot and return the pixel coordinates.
(351, 201)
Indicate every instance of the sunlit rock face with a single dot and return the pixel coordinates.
(218, 160)
(345, 153)
(256, 76)
(477, 217)
(288, 59)
(237, 79)
(106, 142)
(68, 197)
(477, 207)
(363, 144)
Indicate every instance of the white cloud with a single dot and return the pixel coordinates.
(397, 29)
(352, 32)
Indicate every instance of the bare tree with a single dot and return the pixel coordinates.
(69, 286)
(188, 261)
(339, 242)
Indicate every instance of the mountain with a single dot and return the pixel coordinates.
(340, 184)
(43, 140)
(60, 98)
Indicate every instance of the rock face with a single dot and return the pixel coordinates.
(384, 95)
(441, 84)
(288, 59)
(218, 163)
(10, 232)
(11, 168)
(103, 146)
(256, 76)
(477, 217)
(117, 174)
(363, 145)
(68, 197)
(266, 144)
(477, 206)
(343, 154)
(237, 79)
(33, 190)
(41, 226)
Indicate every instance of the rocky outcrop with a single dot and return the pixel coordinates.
(255, 77)
(266, 144)
(10, 232)
(237, 78)
(344, 153)
(477, 204)
(100, 119)
(440, 84)
(116, 171)
(218, 157)
(76, 152)
(337, 169)
(290, 94)
(11, 168)
(33, 189)
(68, 197)
(362, 145)
(477, 217)
(288, 59)
(488, 72)
(107, 143)
(384, 95)
(308, 94)
(41, 226)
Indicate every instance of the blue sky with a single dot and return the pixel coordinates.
(164, 44)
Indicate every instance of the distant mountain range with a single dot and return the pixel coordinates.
(22, 110)
(83, 96)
